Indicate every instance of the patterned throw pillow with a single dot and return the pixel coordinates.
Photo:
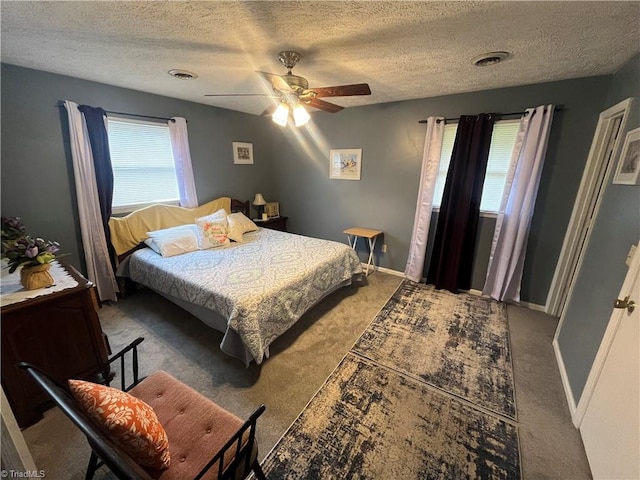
(238, 225)
(213, 230)
(128, 421)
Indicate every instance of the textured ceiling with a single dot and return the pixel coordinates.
(404, 50)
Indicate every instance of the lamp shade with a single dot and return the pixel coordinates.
(300, 115)
(259, 200)
(281, 115)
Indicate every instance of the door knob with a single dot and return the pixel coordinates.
(630, 305)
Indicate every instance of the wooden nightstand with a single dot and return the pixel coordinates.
(278, 223)
(59, 332)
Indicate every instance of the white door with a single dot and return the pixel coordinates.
(610, 427)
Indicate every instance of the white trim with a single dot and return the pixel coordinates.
(15, 451)
(593, 176)
(529, 305)
(534, 306)
(386, 270)
(473, 291)
(605, 345)
(565, 381)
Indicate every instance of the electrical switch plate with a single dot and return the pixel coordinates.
(384, 248)
(632, 252)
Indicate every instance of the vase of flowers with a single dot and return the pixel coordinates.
(12, 230)
(34, 255)
(33, 277)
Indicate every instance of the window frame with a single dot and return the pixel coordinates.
(483, 213)
(130, 207)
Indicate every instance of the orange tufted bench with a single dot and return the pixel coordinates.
(196, 426)
(204, 440)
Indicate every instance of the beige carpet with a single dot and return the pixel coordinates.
(300, 362)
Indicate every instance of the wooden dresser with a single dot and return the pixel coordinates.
(59, 332)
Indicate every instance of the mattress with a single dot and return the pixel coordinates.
(260, 287)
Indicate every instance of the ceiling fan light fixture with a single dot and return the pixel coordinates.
(182, 74)
(281, 115)
(300, 115)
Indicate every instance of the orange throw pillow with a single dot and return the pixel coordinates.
(127, 420)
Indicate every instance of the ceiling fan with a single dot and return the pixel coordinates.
(293, 92)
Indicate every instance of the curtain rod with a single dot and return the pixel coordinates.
(511, 114)
(108, 112)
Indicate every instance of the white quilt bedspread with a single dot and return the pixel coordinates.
(262, 286)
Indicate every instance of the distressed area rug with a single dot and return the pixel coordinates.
(370, 422)
(457, 343)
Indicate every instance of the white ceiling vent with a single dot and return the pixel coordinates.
(490, 58)
(182, 74)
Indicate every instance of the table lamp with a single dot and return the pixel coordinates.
(259, 202)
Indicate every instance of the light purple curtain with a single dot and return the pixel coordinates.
(94, 243)
(182, 162)
(511, 234)
(428, 177)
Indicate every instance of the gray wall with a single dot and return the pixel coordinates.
(37, 175)
(291, 165)
(601, 276)
(392, 143)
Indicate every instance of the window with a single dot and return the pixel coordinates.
(142, 162)
(503, 140)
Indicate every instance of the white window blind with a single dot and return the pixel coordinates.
(142, 162)
(503, 140)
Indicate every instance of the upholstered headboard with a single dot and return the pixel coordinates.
(129, 231)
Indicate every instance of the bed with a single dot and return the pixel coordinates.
(252, 291)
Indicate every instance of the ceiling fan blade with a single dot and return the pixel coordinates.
(343, 90)
(269, 110)
(276, 81)
(240, 95)
(326, 106)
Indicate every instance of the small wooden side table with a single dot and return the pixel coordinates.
(276, 223)
(371, 235)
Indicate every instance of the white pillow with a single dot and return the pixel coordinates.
(238, 225)
(213, 230)
(173, 241)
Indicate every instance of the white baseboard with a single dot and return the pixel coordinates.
(534, 306)
(529, 305)
(565, 381)
(386, 270)
(473, 291)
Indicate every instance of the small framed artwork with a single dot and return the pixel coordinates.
(345, 164)
(243, 153)
(628, 170)
(272, 209)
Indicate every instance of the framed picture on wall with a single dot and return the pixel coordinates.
(243, 153)
(345, 164)
(628, 170)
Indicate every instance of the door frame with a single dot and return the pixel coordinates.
(603, 351)
(596, 173)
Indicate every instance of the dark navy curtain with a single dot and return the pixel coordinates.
(94, 117)
(451, 262)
